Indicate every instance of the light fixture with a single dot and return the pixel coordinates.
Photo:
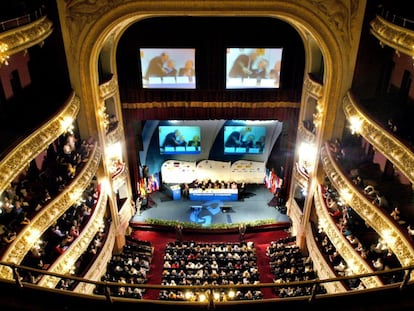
(67, 124)
(4, 56)
(355, 125)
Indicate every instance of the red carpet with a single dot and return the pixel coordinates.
(159, 240)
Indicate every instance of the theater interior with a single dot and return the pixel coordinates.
(192, 155)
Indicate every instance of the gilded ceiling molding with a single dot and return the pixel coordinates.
(163, 105)
(357, 264)
(66, 262)
(375, 217)
(21, 38)
(399, 38)
(81, 18)
(19, 158)
(99, 265)
(340, 14)
(323, 268)
(49, 214)
(395, 151)
(109, 88)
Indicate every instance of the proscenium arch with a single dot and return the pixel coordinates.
(97, 23)
(306, 22)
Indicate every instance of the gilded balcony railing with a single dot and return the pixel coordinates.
(19, 158)
(65, 263)
(50, 213)
(395, 151)
(375, 217)
(342, 245)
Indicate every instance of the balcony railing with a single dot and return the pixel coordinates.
(22, 20)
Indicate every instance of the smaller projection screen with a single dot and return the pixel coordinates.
(179, 139)
(248, 68)
(168, 68)
(244, 139)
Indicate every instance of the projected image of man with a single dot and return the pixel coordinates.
(156, 66)
(236, 138)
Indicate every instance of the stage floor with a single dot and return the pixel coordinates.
(253, 206)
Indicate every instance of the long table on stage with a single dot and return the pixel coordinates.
(213, 194)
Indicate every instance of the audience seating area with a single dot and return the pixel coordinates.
(288, 264)
(193, 263)
(128, 267)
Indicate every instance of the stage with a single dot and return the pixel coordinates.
(252, 206)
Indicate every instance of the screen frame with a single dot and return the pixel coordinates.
(238, 79)
(259, 133)
(189, 132)
(180, 55)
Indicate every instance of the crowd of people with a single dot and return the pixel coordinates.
(38, 184)
(195, 263)
(288, 264)
(130, 266)
(365, 241)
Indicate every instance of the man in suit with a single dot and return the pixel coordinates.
(236, 138)
(187, 70)
(156, 66)
(242, 66)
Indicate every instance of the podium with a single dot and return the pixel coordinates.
(176, 192)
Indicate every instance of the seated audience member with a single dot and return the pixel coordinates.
(410, 230)
(370, 191)
(395, 214)
(9, 237)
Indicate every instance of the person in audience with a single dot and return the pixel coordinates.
(410, 230)
(378, 264)
(9, 236)
(395, 213)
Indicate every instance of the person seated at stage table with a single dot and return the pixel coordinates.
(195, 142)
(260, 143)
(248, 143)
(236, 138)
(172, 139)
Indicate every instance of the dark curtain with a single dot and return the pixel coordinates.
(133, 113)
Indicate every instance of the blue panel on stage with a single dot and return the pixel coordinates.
(208, 195)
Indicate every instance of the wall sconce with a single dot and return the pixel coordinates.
(307, 155)
(4, 57)
(103, 116)
(355, 125)
(317, 116)
(67, 124)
